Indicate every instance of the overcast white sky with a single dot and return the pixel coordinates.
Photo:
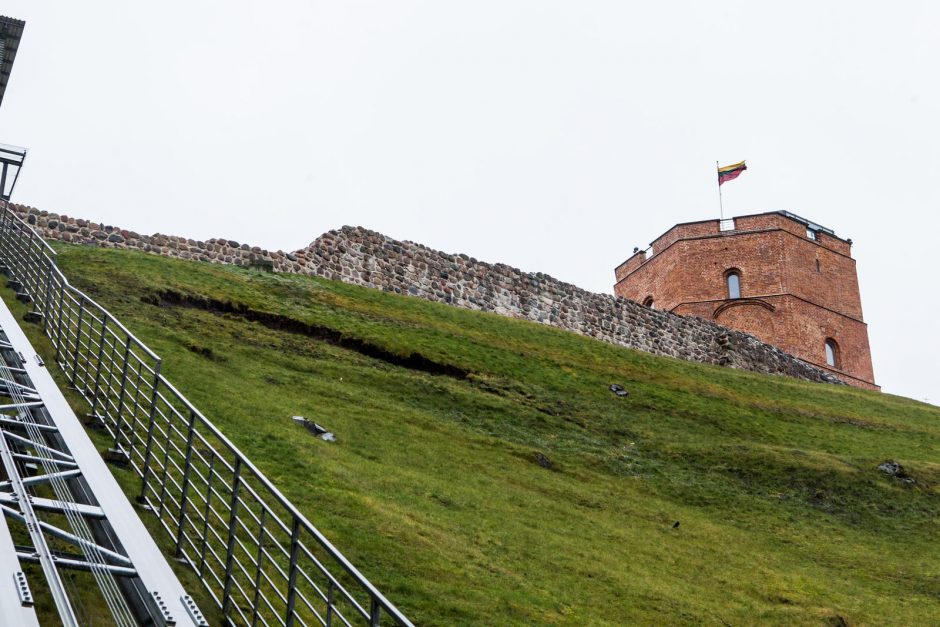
(553, 136)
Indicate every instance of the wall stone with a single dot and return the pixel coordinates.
(362, 257)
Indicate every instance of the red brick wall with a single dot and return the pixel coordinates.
(765, 221)
(694, 269)
(750, 316)
(797, 327)
(833, 283)
(630, 265)
(836, 244)
(684, 231)
(787, 298)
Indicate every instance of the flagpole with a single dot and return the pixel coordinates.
(721, 207)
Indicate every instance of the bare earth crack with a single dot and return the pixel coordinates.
(279, 322)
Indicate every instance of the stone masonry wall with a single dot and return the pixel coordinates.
(362, 257)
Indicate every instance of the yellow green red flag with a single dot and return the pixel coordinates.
(730, 172)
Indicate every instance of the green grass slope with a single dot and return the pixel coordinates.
(484, 474)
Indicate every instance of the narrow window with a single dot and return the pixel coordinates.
(817, 265)
(648, 302)
(734, 285)
(832, 353)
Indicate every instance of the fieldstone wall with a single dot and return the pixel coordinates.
(362, 257)
(215, 250)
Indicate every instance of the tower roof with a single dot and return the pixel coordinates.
(11, 30)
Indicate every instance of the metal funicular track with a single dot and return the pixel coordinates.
(63, 510)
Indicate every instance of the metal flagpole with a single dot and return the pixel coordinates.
(721, 207)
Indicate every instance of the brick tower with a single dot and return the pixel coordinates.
(783, 279)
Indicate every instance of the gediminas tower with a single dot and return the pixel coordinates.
(785, 280)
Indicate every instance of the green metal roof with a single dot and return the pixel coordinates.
(10, 32)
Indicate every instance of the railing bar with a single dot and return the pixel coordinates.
(274, 587)
(317, 588)
(240, 613)
(277, 567)
(330, 576)
(316, 614)
(330, 600)
(292, 572)
(271, 608)
(244, 571)
(218, 558)
(230, 549)
(245, 550)
(241, 523)
(258, 563)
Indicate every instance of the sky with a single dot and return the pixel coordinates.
(552, 136)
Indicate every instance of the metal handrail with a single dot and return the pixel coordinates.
(225, 517)
(9, 213)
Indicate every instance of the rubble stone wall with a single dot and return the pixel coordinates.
(363, 257)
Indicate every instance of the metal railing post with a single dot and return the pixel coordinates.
(4, 230)
(26, 272)
(230, 547)
(210, 475)
(257, 583)
(16, 247)
(134, 408)
(12, 245)
(151, 426)
(94, 396)
(58, 331)
(23, 275)
(184, 490)
(330, 594)
(292, 571)
(8, 240)
(23, 251)
(48, 296)
(78, 340)
(164, 479)
(11, 249)
(119, 418)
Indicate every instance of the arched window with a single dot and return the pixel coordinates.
(733, 278)
(832, 353)
(648, 302)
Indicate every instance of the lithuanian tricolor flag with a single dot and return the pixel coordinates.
(730, 172)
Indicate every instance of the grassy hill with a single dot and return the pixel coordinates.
(485, 474)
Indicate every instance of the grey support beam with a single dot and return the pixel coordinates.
(39, 430)
(51, 505)
(13, 611)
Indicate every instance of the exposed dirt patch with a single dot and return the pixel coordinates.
(204, 351)
(278, 322)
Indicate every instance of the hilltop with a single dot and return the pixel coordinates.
(484, 472)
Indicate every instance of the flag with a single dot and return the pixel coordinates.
(730, 172)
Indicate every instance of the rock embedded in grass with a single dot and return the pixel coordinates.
(618, 390)
(542, 460)
(896, 470)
